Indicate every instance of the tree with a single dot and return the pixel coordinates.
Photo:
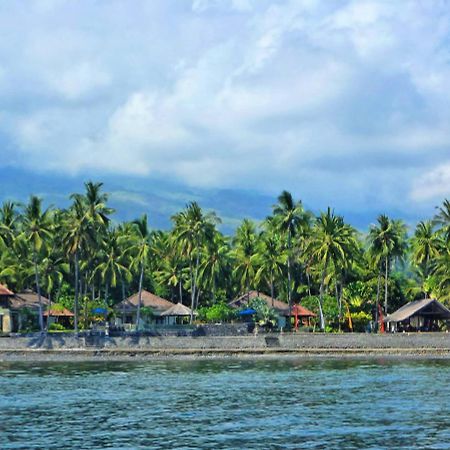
(192, 228)
(245, 254)
(332, 242)
(270, 260)
(37, 231)
(140, 250)
(214, 262)
(290, 217)
(426, 247)
(386, 241)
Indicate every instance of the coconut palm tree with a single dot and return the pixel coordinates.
(426, 246)
(37, 231)
(78, 236)
(332, 242)
(214, 262)
(387, 240)
(245, 255)
(442, 218)
(140, 249)
(270, 260)
(110, 267)
(290, 217)
(193, 228)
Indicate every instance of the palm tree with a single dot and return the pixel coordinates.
(386, 241)
(77, 237)
(332, 242)
(271, 260)
(140, 250)
(37, 230)
(245, 254)
(426, 247)
(8, 223)
(192, 229)
(291, 217)
(110, 267)
(214, 262)
(442, 218)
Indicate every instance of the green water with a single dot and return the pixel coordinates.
(233, 404)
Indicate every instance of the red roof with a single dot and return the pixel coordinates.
(59, 313)
(302, 311)
(5, 291)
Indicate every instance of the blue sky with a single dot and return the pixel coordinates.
(345, 103)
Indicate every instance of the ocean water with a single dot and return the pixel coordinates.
(226, 404)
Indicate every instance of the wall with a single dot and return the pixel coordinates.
(286, 342)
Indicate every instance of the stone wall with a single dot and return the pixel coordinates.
(279, 342)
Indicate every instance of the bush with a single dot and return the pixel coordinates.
(56, 327)
(220, 312)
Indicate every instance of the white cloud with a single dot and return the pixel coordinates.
(432, 185)
(240, 93)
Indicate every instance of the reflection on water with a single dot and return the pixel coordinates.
(230, 403)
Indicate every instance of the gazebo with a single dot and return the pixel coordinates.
(420, 315)
(177, 315)
(302, 314)
(59, 315)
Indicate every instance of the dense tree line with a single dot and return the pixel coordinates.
(80, 257)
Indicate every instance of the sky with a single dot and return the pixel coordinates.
(344, 103)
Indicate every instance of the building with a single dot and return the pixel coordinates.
(178, 314)
(20, 311)
(421, 315)
(303, 315)
(126, 310)
(6, 320)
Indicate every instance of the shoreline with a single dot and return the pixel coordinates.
(141, 355)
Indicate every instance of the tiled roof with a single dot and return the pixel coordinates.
(5, 291)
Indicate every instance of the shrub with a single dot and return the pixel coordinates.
(220, 312)
(56, 327)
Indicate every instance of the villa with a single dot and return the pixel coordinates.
(300, 314)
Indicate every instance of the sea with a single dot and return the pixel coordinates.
(229, 403)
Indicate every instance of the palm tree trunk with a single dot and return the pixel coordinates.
(289, 277)
(322, 285)
(386, 285)
(138, 313)
(75, 319)
(181, 292)
(38, 290)
(272, 293)
(191, 273)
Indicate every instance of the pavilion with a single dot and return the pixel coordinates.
(421, 315)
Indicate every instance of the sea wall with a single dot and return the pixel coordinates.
(295, 342)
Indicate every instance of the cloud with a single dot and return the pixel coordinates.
(341, 102)
(432, 185)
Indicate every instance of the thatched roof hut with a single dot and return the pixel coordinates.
(28, 299)
(178, 310)
(420, 315)
(149, 300)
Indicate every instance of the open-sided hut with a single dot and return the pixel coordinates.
(420, 315)
(59, 315)
(304, 315)
(177, 315)
(127, 309)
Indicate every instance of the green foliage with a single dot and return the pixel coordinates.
(265, 316)
(220, 312)
(55, 326)
(73, 255)
(147, 312)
